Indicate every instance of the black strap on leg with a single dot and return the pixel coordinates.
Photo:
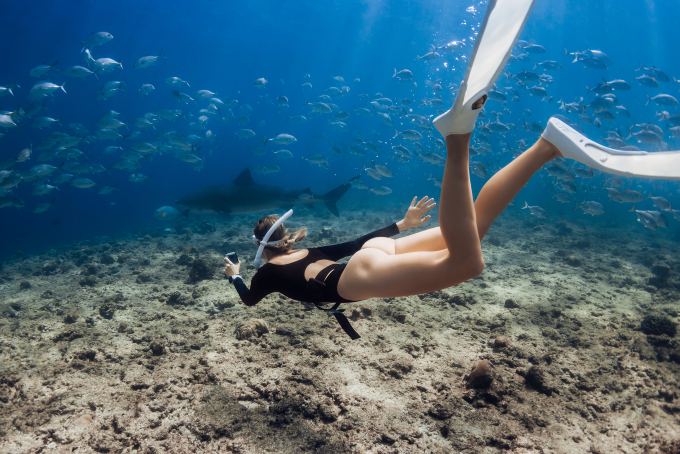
(335, 311)
(342, 320)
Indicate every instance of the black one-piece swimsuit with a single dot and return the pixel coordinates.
(289, 279)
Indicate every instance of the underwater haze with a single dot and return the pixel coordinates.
(341, 54)
(119, 333)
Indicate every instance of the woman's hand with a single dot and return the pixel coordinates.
(230, 268)
(416, 213)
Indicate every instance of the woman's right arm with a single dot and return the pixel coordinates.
(250, 296)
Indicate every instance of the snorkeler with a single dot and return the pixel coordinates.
(447, 255)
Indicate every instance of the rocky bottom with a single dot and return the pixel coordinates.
(566, 343)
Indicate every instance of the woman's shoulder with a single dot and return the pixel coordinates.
(293, 257)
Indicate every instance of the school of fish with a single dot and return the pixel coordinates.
(396, 129)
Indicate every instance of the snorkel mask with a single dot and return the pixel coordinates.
(265, 239)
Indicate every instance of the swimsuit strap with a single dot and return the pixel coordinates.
(335, 311)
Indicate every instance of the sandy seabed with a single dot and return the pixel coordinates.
(138, 344)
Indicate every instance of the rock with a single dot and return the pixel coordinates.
(657, 325)
(462, 300)
(184, 260)
(144, 278)
(328, 412)
(510, 304)
(281, 331)
(535, 379)
(661, 272)
(124, 328)
(387, 439)
(481, 375)
(157, 349)
(86, 355)
(25, 285)
(393, 312)
(441, 411)
(49, 268)
(573, 260)
(222, 305)
(200, 270)
(250, 328)
(498, 442)
(178, 299)
(665, 348)
(67, 336)
(106, 259)
(501, 342)
(8, 312)
(70, 318)
(399, 366)
(106, 311)
(357, 314)
(670, 446)
(88, 281)
(89, 270)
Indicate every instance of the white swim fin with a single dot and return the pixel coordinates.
(663, 165)
(501, 27)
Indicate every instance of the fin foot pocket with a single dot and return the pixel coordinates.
(663, 165)
(479, 103)
(460, 119)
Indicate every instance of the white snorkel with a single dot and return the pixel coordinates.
(265, 239)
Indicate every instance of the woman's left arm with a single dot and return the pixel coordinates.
(416, 213)
(415, 216)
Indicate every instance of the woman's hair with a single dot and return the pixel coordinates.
(281, 233)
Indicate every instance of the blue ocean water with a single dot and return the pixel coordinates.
(226, 46)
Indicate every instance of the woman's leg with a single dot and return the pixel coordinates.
(457, 218)
(372, 272)
(499, 191)
(493, 198)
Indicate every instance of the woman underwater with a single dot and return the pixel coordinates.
(447, 255)
(380, 266)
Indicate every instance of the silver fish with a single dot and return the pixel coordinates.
(650, 219)
(147, 61)
(146, 89)
(97, 39)
(664, 99)
(534, 210)
(661, 203)
(382, 190)
(283, 139)
(44, 89)
(78, 71)
(408, 134)
(592, 208)
(6, 121)
(402, 74)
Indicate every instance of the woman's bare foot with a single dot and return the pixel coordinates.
(549, 148)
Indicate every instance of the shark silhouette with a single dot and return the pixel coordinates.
(245, 195)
